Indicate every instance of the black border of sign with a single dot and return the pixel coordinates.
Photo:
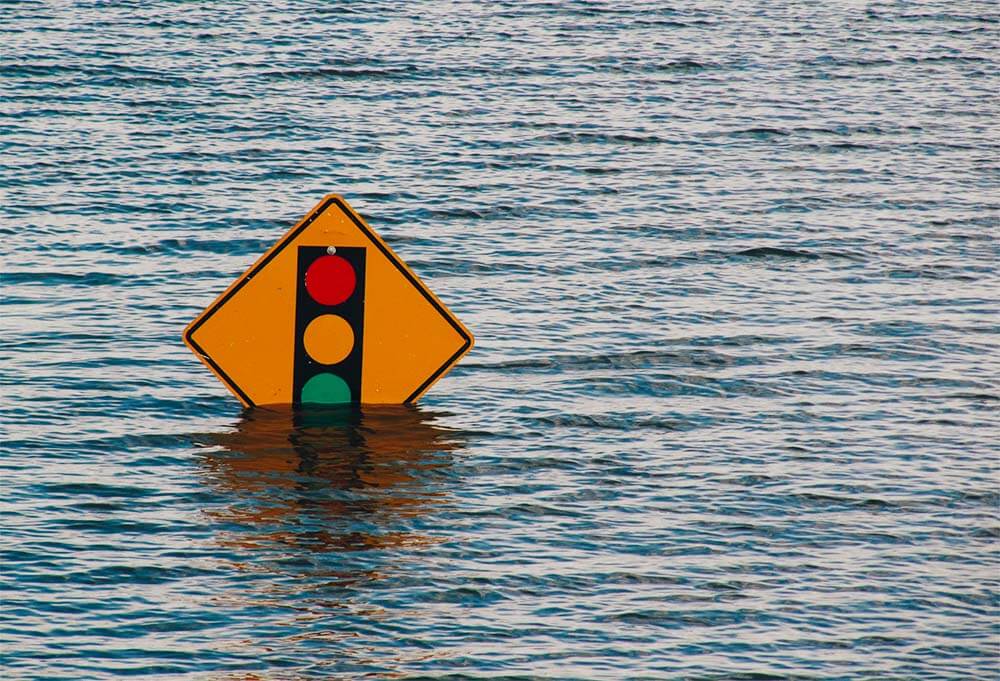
(189, 334)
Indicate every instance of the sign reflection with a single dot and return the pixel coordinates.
(338, 479)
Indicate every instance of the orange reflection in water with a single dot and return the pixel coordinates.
(328, 480)
(312, 508)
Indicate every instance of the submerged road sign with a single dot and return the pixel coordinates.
(329, 315)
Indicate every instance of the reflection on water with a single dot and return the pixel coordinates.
(328, 480)
(311, 508)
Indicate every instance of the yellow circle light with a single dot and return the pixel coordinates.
(328, 339)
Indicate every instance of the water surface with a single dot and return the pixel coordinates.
(732, 412)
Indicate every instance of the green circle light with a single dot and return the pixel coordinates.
(326, 389)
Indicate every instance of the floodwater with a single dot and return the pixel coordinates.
(733, 409)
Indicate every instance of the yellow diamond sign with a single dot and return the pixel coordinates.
(329, 315)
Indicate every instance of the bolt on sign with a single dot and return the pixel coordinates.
(329, 315)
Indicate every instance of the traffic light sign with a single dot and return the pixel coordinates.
(328, 315)
(329, 325)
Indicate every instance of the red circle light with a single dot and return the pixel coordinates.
(330, 280)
